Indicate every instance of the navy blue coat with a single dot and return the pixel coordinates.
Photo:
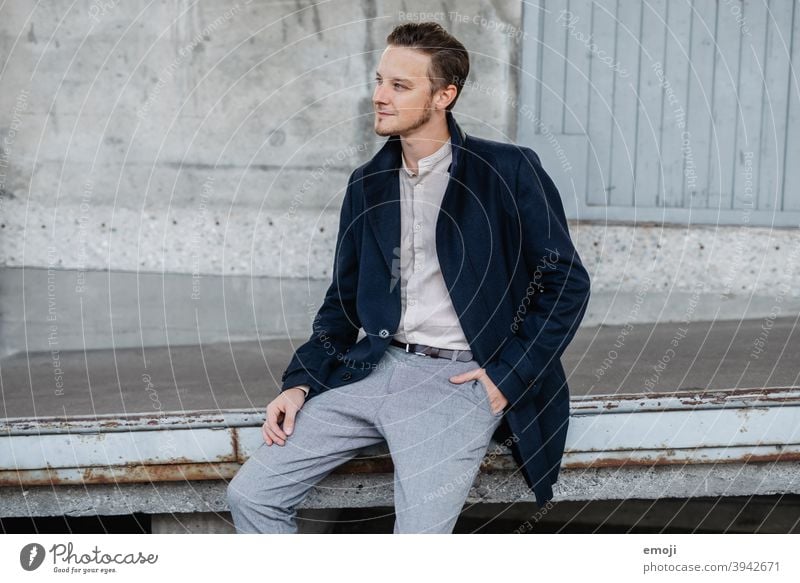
(514, 278)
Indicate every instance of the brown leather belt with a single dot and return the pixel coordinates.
(434, 352)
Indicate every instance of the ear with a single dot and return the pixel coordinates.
(445, 96)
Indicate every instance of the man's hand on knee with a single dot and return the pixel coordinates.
(282, 410)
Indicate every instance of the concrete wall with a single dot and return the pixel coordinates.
(214, 137)
(191, 142)
(195, 155)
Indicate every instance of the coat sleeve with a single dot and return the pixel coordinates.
(336, 325)
(555, 270)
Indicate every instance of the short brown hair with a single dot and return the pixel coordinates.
(449, 58)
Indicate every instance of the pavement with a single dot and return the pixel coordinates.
(654, 357)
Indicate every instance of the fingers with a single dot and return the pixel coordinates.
(494, 395)
(265, 434)
(466, 376)
(288, 420)
(280, 412)
(269, 436)
(273, 412)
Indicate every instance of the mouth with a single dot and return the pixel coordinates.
(383, 113)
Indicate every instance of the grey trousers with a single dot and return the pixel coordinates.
(437, 432)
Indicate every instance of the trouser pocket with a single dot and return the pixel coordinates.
(483, 398)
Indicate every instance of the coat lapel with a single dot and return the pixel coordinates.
(382, 200)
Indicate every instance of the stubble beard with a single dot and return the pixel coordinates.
(424, 117)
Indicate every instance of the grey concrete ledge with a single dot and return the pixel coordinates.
(720, 443)
(339, 491)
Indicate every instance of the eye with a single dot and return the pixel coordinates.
(398, 86)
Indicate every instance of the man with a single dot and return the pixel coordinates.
(454, 256)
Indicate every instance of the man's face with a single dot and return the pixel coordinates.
(402, 97)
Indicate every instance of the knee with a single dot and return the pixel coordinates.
(248, 491)
(234, 494)
(242, 490)
(256, 508)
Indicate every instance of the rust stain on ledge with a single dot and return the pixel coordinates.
(119, 474)
(373, 465)
(667, 458)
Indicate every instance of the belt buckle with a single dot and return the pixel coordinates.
(408, 349)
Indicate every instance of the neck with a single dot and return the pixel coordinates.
(425, 142)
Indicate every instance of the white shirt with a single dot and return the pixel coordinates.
(427, 314)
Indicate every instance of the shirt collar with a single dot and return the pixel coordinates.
(428, 161)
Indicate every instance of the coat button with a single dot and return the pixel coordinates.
(384, 333)
(346, 376)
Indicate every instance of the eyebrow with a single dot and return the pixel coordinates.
(407, 81)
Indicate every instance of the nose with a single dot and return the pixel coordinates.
(379, 95)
